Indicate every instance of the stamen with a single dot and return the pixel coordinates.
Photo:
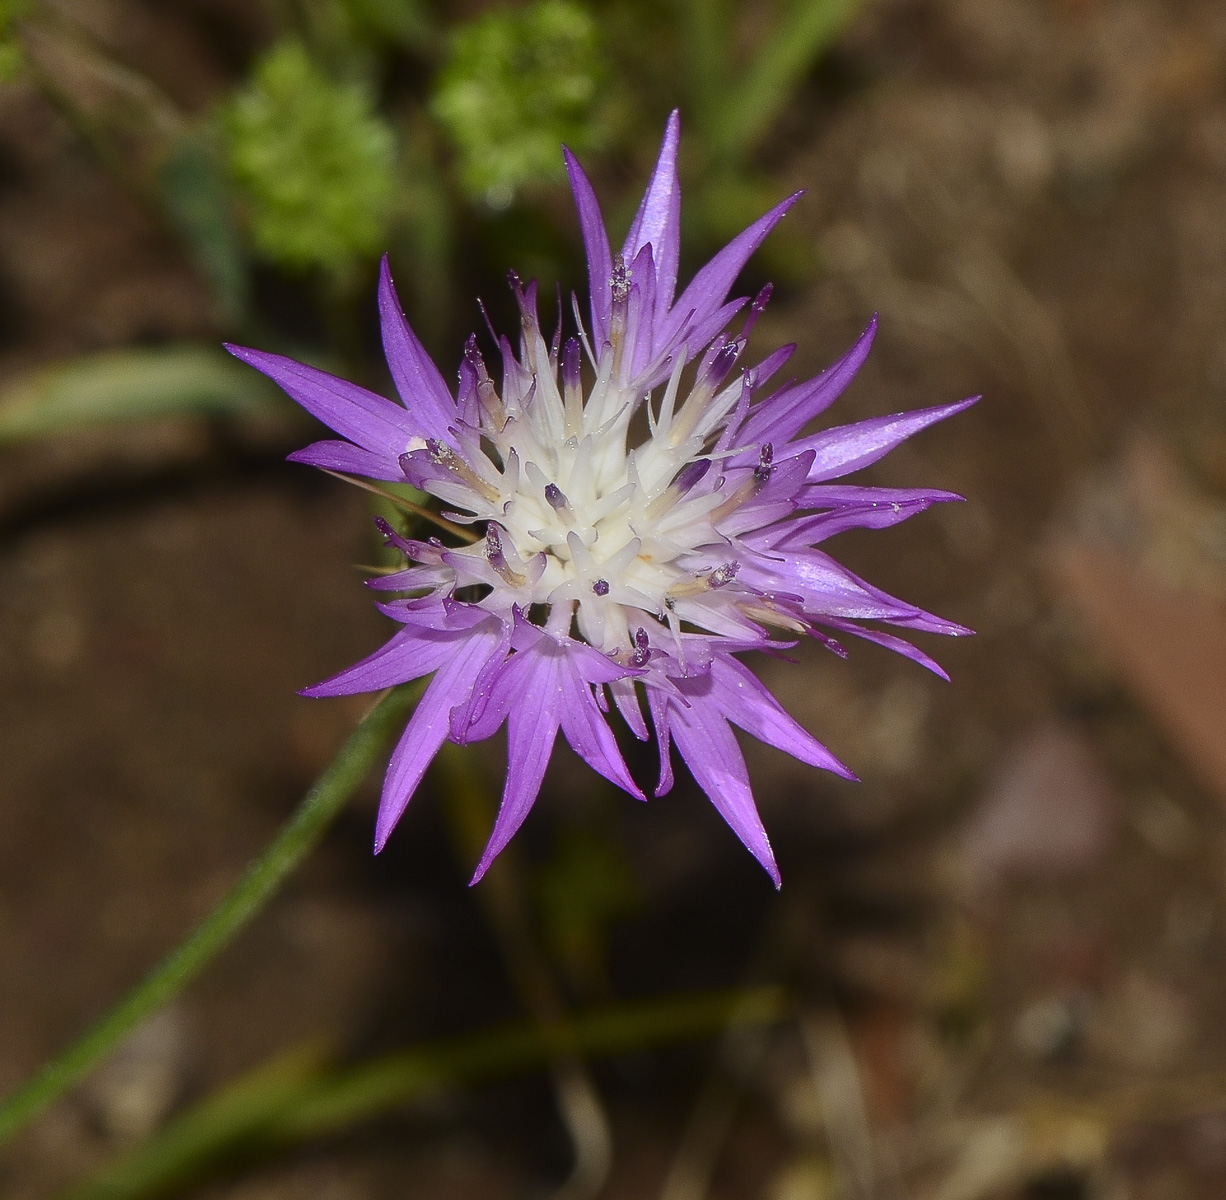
(556, 499)
(444, 456)
(642, 648)
(766, 458)
(619, 280)
(572, 394)
(601, 587)
(720, 577)
(619, 285)
(487, 394)
(498, 560)
(751, 487)
(720, 360)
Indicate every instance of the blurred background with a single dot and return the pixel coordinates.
(1004, 948)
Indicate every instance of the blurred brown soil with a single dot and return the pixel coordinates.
(1032, 194)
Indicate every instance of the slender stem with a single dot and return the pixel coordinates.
(296, 839)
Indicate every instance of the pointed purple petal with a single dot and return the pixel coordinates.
(890, 642)
(625, 696)
(709, 748)
(410, 654)
(658, 704)
(746, 702)
(706, 291)
(786, 413)
(596, 244)
(588, 732)
(421, 386)
(531, 730)
(373, 422)
(658, 221)
(428, 727)
(835, 495)
(847, 448)
(349, 460)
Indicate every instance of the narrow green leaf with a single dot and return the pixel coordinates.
(298, 836)
(289, 1101)
(129, 385)
(806, 31)
(193, 189)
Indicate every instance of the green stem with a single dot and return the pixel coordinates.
(296, 839)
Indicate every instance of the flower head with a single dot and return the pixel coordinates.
(610, 567)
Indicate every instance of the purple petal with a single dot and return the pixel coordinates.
(835, 495)
(349, 460)
(708, 288)
(658, 221)
(410, 654)
(361, 416)
(417, 379)
(625, 696)
(596, 244)
(709, 748)
(826, 586)
(658, 704)
(746, 702)
(588, 732)
(847, 448)
(808, 531)
(786, 413)
(531, 731)
(890, 642)
(429, 725)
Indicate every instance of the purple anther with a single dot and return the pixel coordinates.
(557, 501)
(601, 587)
(642, 647)
(619, 280)
(571, 362)
(723, 575)
(766, 458)
(493, 548)
(690, 474)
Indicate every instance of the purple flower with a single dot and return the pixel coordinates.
(603, 575)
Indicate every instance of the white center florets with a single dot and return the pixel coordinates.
(580, 529)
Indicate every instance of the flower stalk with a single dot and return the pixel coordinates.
(300, 834)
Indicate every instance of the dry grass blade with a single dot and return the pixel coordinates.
(416, 509)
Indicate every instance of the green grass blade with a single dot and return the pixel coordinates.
(129, 385)
(271, 1109)
(806, 31)
(297, 838)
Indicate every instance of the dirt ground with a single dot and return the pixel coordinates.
(1010, 937)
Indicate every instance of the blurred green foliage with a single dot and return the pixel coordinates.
(581, 891)
(517, 84)
(132, 384)
(430, 131)
(314, 161)
(10, 47)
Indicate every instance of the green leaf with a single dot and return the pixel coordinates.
(806, 31)
(129, 385)
(193, 190)
(290, 1101)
